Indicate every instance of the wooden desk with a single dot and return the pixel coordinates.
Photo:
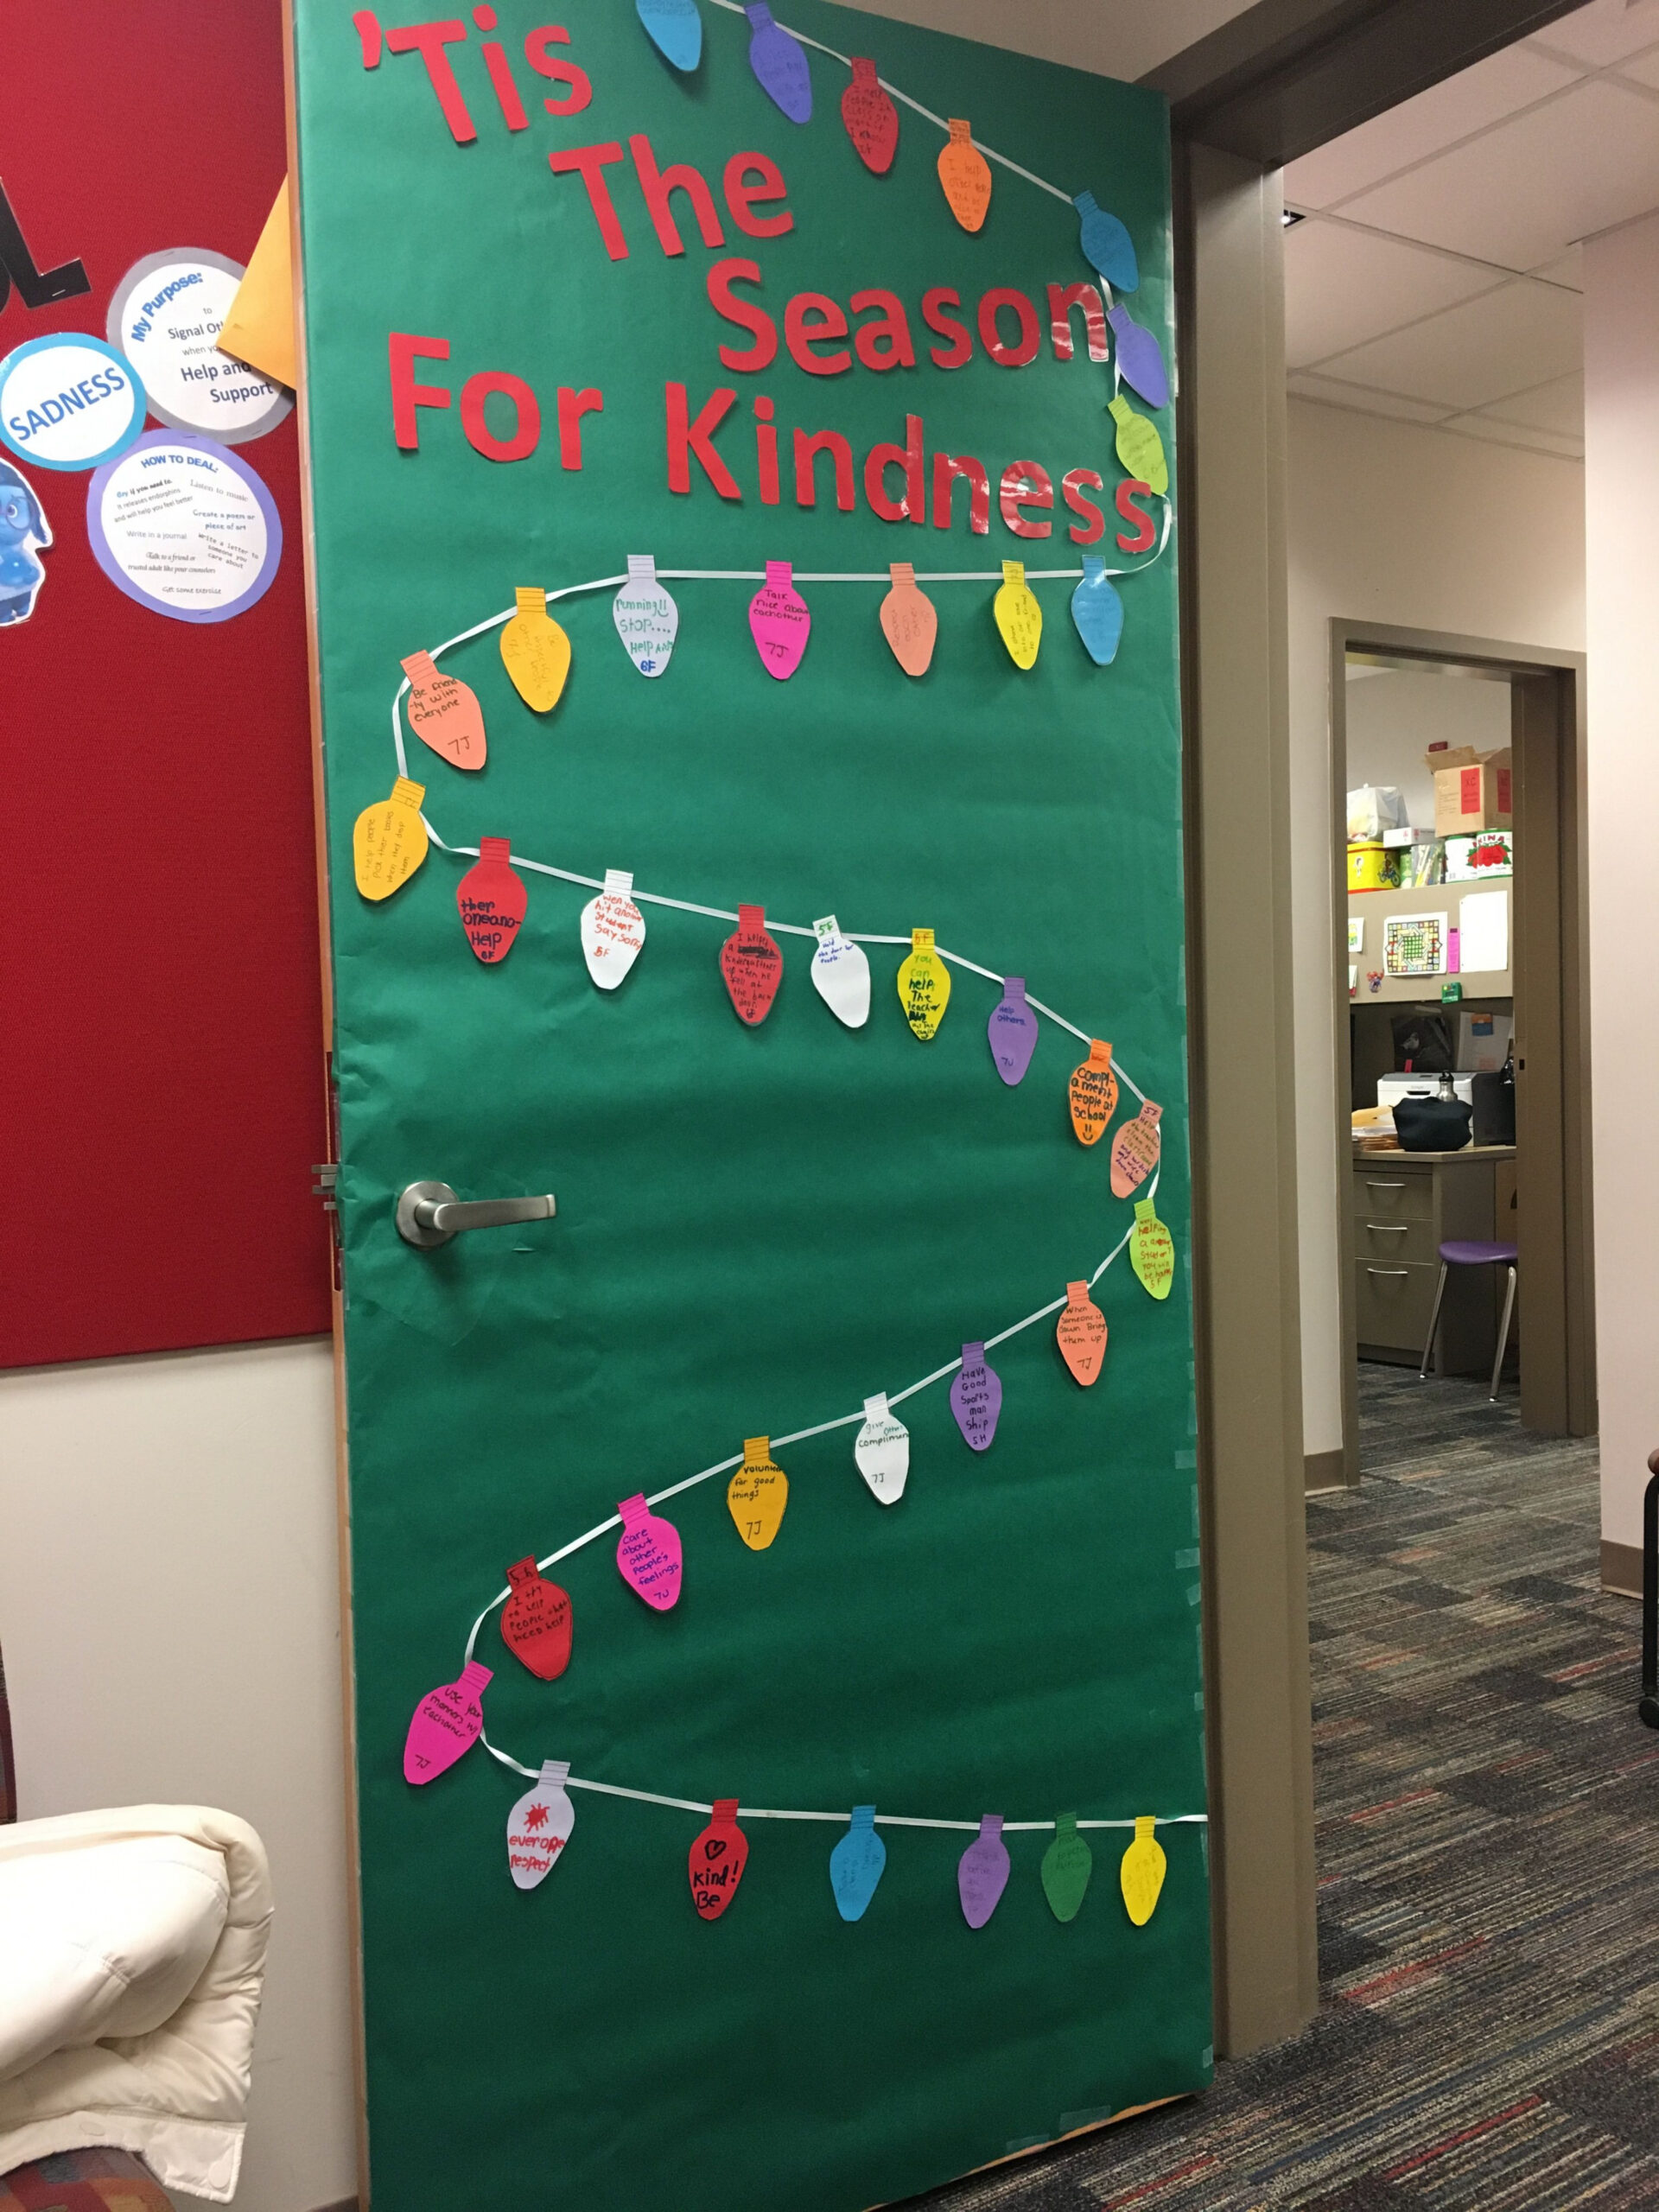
(1405, 1206)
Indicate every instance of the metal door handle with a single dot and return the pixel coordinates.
(430, 1214)
(1389, 1228)
(1387, 1271)
(1371, 1184)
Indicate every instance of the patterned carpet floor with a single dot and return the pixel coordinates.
(1488, 2038)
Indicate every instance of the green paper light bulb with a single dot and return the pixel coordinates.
(1067, 1865)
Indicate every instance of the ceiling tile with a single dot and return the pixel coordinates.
(1558, 406)
(1522, 193)
(1505, 342)
(1303, 386)
(1644, 67)
(1470, 101)
(1606, 31)
(1343, 286)
(1515, 434)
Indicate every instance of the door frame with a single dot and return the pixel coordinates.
(1556, 1295)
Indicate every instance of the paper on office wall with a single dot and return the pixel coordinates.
(1483, 929)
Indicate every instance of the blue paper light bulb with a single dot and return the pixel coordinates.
(1098, 612)
(1139, 357)
(856, 1863)
(779, 62)
(1106, 245)
(676, 29)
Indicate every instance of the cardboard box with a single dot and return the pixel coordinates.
(1488, 852)
(1471, 790)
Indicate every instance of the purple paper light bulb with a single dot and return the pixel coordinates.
(1012, 1032)
(982, 1871)
(779, 62)
(1139, 357)
(976, 1398)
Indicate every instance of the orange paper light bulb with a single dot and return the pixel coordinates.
(444, 712)
(757, 1494)
(966, 176)
(1135, 1151)
(910, 621)
(536, 651)
(1080, 1333)
(1094, 1094)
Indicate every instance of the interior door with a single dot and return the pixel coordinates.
(521, 320)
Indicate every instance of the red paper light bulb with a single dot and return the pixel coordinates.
(752, 966)
(537, 1621)
(718, 1858)
(871, 118)
(493, 900)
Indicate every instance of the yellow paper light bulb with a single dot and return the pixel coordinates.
(966, 175)
(1151, 1250)
(1019, 618)
(1141, 1876)
(536, 651)
(389, 840)
(757, 1494)
(924, 986)
(1139, 445)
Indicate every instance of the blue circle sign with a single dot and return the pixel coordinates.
(69, 401)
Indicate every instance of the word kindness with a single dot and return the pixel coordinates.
(709, 446)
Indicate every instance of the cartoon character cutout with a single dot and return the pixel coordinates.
(23, 527)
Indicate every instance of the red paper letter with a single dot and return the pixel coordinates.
(1026, 484)
(806, 480)
(1093, 527)
(1024, 348)
(429, 41)
(913, 507)
(562, 73)
(961, 348)
(591, 162)
(495, 61)
(678, 176)
(1062, 298)
(1147, 530)
(573, 405)
(800, 334)
(741, 195)
(946, 468)
(759, 324)
(685, 439)
(526, 415)
(893, 328)
(406, 394)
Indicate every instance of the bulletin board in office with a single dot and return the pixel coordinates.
(838, 1825)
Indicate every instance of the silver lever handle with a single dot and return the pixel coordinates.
(430, 1214)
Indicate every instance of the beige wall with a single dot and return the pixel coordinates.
(1621, 350)
(1392, 523)
(170, 1621)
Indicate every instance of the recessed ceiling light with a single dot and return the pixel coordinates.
(1291, 217)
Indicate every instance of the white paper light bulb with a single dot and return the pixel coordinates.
(613, 930)
(539, 1825)
(882, 1451)
(646, 619)
(841, 974)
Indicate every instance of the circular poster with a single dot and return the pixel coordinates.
(166, 314)
(68, 401)
(185, 527)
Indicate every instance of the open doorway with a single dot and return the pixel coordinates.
(1457, 789)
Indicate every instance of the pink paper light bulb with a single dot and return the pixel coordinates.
(648, 1554)
(779, 621)
(448, 1721)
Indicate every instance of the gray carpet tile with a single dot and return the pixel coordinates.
(1488, 2037)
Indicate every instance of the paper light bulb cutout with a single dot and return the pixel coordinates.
(882, 1451)
(539, 1825)
(1151, 1250)
(1019, 618)
(924, 986)
(389, 840)
(1139, 357)
(1067, 1865)
(1011, 1030)
(780, 620)
(1093, 1092)
(1080, 1333)
(856, 1864)
(444, 712)
(613, 930)
(537, 1622)
(976, 1398)
(780, 66)
(1141, 1876)
(648, 1554)
(841, 974)
(717, 1860)
(910, 621)
(871, 118)
(1139, 445)
(676, 29)
(752, 966)
(982, 1873)
(448, 1721)
(536, 651)
(1135, 1151)
(1106, 245)
(966, 175)
(1097, 611)
(646, 619)
(491, 899)
(758, 1494)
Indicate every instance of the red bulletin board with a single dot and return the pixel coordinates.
(162, 1028)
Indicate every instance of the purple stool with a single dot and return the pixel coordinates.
(1473, 1255)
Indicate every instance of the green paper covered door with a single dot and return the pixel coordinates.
(811, 934)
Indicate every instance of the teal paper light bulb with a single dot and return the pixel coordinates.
(1106, 245)
(856, 1864)
(676, 29)
(1098, 610)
